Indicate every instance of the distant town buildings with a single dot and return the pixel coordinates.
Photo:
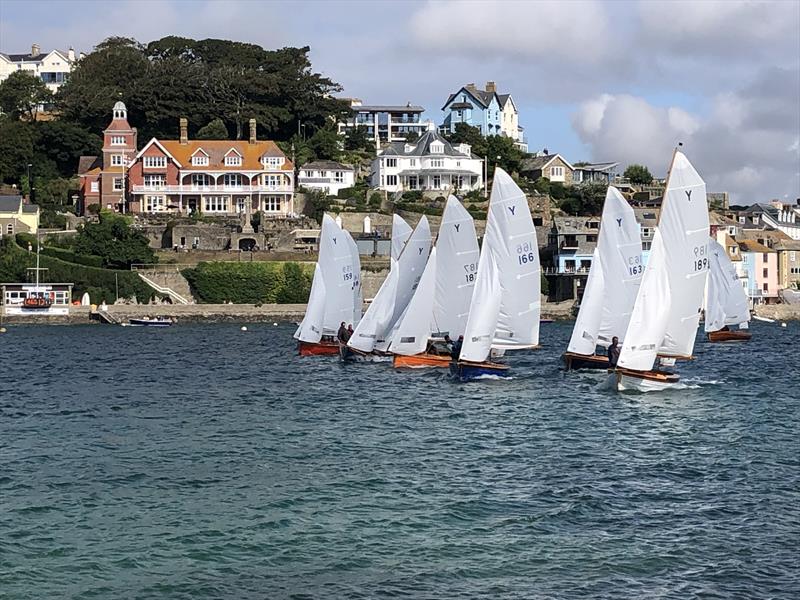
(17, 216)
(430, 163)
(550, 166)
(326, 175)
(491, 113)
(217, 177)
(52, 68)
(386, 123)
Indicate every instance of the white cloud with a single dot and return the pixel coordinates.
(577, 32)
(736, 146)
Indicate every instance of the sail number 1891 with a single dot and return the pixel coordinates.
(700, 262)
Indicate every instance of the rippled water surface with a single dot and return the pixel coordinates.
(203, 462)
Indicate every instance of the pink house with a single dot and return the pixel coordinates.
(762, 267)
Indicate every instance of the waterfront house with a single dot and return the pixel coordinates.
(326, 175)
(17, 216)
(594, 172)
(550, 166)
(386, 123)
(477, 108)
(571, 243)
(784, 217)
(428, 164)
(52, 68)
(761, 264)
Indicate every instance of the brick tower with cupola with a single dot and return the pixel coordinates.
(119, 149)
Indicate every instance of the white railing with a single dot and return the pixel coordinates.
(176, 297)
(199, 189)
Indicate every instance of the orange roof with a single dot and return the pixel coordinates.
(729, 243)
(217, 149)
(753, 246)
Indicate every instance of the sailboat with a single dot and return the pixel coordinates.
(506, 302)
(335, 292)
(667, 309)
(372, 336)
(401, 231)
(440, 304)
(726, 302)
(611, 286)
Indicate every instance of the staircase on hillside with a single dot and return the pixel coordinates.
(166, 280)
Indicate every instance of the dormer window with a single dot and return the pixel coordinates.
(437, 148)
(272, 162)
(233, 160)
(200, 159)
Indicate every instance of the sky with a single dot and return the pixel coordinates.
(597, 81)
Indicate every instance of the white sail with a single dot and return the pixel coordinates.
(355, 263)
(378, 317)
(336, 264)
(414, 328)
(484, 311)
(726, 302)
(458, 254)
(587, 323)
(614, 278)
(401, 231)
(650, 312)
(310, 329)
(511, 255)
(684, 230)
(667, 309)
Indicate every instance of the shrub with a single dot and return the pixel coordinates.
(69, 256)
(375, 199)
(250, 283)
(412, 196)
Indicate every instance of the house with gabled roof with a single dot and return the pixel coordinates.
(52, 68)
(431, 163)
(550, 166)
(490, 112)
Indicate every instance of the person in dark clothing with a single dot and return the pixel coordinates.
(341, 335)
(613, 352)
(448, 343)
(456, 353)
(349, 332)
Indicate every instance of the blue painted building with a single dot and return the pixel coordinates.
(477, 108)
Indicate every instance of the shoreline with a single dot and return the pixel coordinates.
(270, 313)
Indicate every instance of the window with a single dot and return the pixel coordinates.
(117, 160)
(117, 140)
(792, 256)
(201, 180)
(154, 182)
(155, 162)
(795, 270)
(154, 203)
(95, 186)
(232, 179)
(272, 161)
(338, 177)
(272, 181)
(647, 232)
(437, 182)
(765, 287)
(591, 238)
(199, 160)
(272, 204)
(234, 160)
(556, 171)
(391, 162)
(412, 162)
(117, 184)
(766, 257)
(646, 245)
(391, 180)
(437, 148)
(241, 205)
(216, 203)
(765, 273)
(10, 228)
(437, 163)
(458, 163)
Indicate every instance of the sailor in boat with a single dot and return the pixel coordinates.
(341, 335)
(613, 352)
(456, 352)
(349, 332)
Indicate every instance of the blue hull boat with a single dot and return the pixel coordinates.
(470, 371)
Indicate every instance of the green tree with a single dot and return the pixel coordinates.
(357, 138)
(412, 136)
(215, 130)
(22, 93)
(16, 149)
(495, 149)
(638, 174)
(115, 241)
(64, 143)
(326, 144)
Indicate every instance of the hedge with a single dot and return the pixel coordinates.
(100, 283)
(250, 283)
(70, 256)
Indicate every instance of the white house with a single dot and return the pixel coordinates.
(430, 163)
(326, 175)
(385, 123)
(52, 68)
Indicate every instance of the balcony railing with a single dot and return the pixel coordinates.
(198, 189)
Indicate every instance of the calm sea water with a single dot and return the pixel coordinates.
(204, 462)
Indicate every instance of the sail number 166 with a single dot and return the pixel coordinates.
(526, 253)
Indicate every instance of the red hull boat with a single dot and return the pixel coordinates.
(318, 348)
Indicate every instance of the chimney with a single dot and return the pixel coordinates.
(491, 87)
(35, 50)
(252, 131)
(71, 54)
(471, 87)
(184, 131)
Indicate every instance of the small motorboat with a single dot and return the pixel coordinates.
(148, 322)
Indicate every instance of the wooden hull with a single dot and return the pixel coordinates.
(318, 348)
(348, 354)
(627, 380)
(729, 336)
(574, 361)
(469, 371)
(421, 361)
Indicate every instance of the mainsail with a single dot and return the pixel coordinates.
(401, 231)
(414, 328)
(667, 309)
(355, 265)
(726, 301)
(310, 329)
(614, 278)
(504, 313)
